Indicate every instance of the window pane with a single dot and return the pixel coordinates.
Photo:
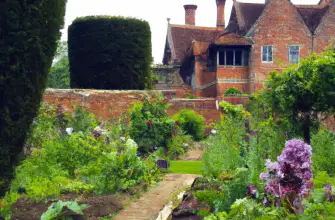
(238, 57)
(294, 54)
(230, 57)
(264, 54)
(270, 53)
(245, 58)
(221, 58)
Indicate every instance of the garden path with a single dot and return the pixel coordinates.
(150, 204)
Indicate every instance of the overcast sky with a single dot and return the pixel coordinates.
(155, 12)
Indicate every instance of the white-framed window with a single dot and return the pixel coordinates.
(267, 54)
(293, 54)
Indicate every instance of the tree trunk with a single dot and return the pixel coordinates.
(307, 132)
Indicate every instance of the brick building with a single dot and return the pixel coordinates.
(259, 39)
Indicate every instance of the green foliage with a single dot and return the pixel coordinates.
(6, 203)
(190, 96)
(323, 144)
(59, 74)
(191, 123)
(225, 150)
(110, 53)
(209, 197)
(234, 110)
(79, 162)
(81, 120)
(177, 146)
(303, 92)
(233, 189)
(60, 210)
(150, 125)
(28, 42)
(232, 92)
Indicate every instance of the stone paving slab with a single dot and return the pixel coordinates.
(152, 202)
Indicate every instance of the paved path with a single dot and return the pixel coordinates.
(150, 204)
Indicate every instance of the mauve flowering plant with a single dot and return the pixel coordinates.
(291, 176)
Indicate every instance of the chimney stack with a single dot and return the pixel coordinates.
(190, 14)
(220, 22)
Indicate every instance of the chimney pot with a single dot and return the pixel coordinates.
(220, 22)
(190, 14)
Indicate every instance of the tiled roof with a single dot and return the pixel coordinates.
(244, 16)
(232, 39)
(182, 36)
(247, 14)
(312, 15)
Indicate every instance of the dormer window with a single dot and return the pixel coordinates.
(267, 54)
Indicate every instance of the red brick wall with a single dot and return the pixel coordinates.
(330, 123)
(325, 33)
(280, 26)
(233, 73)
(111, 104)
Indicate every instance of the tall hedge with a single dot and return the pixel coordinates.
(110, 53)
(29, 31)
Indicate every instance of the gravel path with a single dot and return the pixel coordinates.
(151, 203)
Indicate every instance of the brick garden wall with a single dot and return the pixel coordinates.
(111, 104)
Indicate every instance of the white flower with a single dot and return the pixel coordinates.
(214, 131)
(185, 144)
(98, 128)
(69, 131)
(80, 132)
(123, 139)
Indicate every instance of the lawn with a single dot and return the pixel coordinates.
(186, 167)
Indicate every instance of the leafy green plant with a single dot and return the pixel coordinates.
(232, 92)
(209, 197)
(191, 123)
(81, 120)
(190, 96)
(177, 146)
(150, 124)
(234, 110)
(226, 150)
(323, 144)
(63, 210)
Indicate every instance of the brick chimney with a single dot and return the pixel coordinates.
(190, 14)
(220, 22)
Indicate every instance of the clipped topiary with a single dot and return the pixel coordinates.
(28, 41)
(110, 53)
(191, 123)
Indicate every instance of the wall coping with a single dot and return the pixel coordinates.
(192, 100)
(94, 91)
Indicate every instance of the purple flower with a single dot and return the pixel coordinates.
(286, 134)
(154, 149)
(292, 174)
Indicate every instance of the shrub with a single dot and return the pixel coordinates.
(62, 209)
(191, 123)
(226, 149)
(323, 144)
(177, 146)
(234, 110)
(29, 34)
(150, 125)
(110, 53)
(232, 92)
